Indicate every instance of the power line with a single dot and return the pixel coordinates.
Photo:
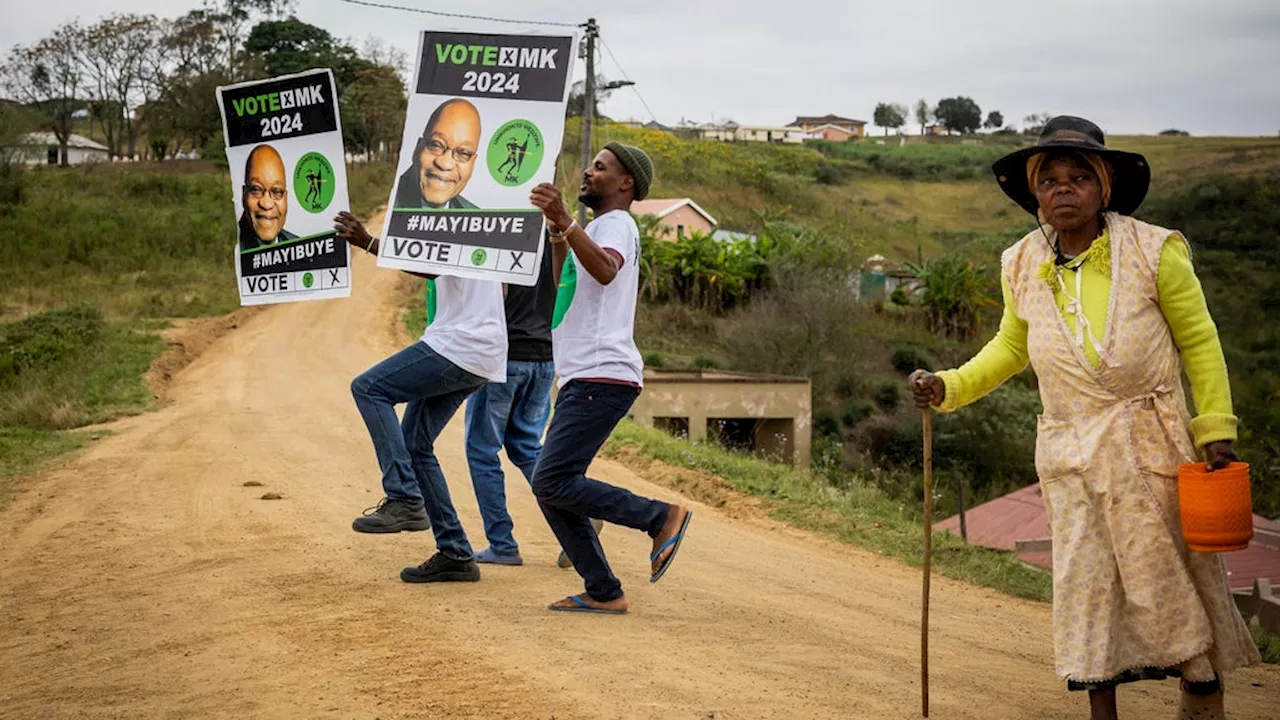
(441, 13)
(628, 79)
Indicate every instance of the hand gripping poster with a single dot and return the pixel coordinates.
(288, 180)
(483, 127)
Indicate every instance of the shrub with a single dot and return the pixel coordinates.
(702, 362)
(848, 385)
(655, 359)
(828, 173)
(889, 396)
(907, 360)
(825, 423)
(47, 339)
(855, 413)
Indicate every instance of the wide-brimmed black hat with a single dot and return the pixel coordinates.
(1132, 175)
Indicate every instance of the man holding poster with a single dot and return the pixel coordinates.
(464, 346)
(485, 116)
(601, 375)
(284, 139)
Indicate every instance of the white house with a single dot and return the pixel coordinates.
(41, 148)
(731, 132)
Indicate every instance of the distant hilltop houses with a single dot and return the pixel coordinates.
(805, 127)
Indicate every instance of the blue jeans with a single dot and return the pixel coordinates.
(433, 387)
(511, 415)
(586, 414)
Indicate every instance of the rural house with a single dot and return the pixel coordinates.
(676, 216)
(41, 148)
(732, 132)
(830, 127)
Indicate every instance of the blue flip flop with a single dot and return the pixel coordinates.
(583, 607)
(674, 543)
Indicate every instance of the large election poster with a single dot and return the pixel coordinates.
(288, 180)
(483, 127)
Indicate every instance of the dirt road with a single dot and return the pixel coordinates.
(144, 580)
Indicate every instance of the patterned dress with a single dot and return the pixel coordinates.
(1129, 599)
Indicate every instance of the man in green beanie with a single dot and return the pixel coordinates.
(600, 376)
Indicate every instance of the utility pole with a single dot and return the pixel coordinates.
(588, 106)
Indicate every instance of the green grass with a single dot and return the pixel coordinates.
(858, 514)
(91, 380)
(1268, 645)
(133, 241)
(23, 450)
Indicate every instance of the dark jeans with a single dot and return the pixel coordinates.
(433, 387)
(586, 413)
(511, 415)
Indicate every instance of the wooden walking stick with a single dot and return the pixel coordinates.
(928, 558)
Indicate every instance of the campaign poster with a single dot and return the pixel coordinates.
(288, 180)
(483, 127)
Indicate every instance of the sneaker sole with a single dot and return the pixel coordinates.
(442, 577)
(406, 526)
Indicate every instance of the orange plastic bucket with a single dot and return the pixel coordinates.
(1216, 507)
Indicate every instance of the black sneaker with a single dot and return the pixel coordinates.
(392, 516)
(441, 568)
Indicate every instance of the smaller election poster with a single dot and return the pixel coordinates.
(288, 181)
(483, 127)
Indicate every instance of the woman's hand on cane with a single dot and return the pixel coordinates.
(927, 389)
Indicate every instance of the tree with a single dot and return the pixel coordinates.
(1034, 123)
(995, 120)
(959, 114)
(955, 291)
(231, 17)
(890, 115)
(924, 115)
(373, 109)
(116, 55)
(47, 78)
(577, 97)
(15, 121)
(292, 46)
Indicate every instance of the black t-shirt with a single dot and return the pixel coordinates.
(529, 311)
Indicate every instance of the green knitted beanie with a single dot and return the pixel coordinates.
(637, 162)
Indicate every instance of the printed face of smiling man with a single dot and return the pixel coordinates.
(265, 197)
(447, 151)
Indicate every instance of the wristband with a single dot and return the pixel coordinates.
(559, 237)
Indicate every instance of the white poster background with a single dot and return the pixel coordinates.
(482, 189)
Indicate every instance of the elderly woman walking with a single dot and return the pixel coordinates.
(1108, 311)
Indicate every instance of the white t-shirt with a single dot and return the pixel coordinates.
(593, 330)
(469, 327)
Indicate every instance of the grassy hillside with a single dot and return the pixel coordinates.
(96, 258)
(937, 200)
(146, 242)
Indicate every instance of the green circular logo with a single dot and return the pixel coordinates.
(478, 256)
(313, 182)
(515, 153)
(308, 280)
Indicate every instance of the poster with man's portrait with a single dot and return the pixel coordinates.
(483, 127)
(288, 180)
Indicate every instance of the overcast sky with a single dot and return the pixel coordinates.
(1211, 67)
